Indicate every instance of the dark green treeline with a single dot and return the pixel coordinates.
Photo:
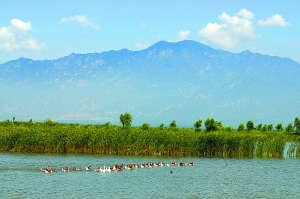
(115, 140)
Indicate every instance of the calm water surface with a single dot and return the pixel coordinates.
(209, 178)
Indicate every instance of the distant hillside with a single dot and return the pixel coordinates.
(181, 81)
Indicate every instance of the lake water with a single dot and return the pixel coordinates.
(20, 177)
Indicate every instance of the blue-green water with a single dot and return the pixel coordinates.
(20, 177)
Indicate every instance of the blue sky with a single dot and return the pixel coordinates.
(51, 29)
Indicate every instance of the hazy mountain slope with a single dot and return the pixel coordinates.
(182, 81)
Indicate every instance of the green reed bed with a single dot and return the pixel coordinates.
(114, 140)
(298, 151)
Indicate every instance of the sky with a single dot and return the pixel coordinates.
(42, 30)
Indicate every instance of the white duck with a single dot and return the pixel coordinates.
(89, 168)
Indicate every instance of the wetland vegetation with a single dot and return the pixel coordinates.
(213, 139)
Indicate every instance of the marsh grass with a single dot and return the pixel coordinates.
(115, 140)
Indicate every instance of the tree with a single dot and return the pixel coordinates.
(227, 128)
(297, 125)
(49, 122)
(14, 119)
(161, 126)
(241, 127)
(173, 124)
(219, 125)
(126, 119)
(265, 128)
(289, 128)
(198, 125)
(210, 124)
(145, 126)
(250, 125)
(30, 122)
(279, 127)
(270, 127)
(259, 127)
(107, 124)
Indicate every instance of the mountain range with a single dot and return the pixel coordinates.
(182, 81)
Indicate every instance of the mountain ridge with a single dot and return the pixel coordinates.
(183, 80)
(157, 46)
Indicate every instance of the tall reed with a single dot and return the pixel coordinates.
(115, 140)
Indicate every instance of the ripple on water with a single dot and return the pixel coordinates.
(210, 178)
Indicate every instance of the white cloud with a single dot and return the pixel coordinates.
(183, 35)
(81, 20)
(275, 20)
(21, 25)
(245, 14)
(16, 37)
(32, 44)
(233, 31)
(7, 39)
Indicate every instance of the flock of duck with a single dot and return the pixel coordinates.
(117, 167)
